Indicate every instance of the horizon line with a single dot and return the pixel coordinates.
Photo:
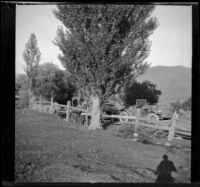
(149, 67)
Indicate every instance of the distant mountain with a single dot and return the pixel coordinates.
(175, 82)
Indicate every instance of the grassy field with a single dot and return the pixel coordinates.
(50, 150)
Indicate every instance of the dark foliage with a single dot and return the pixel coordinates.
(187, 105)
(53, 82)
(145, 90)
(21, 90)
(21, 83)
(176, 106)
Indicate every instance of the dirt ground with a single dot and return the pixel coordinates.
(50, 150)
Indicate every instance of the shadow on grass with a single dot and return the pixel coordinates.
(164, 170)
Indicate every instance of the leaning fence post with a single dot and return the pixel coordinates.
(68, 111)
(51, 107)
(40, 103)
(172, 128)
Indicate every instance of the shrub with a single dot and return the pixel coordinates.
(176, 106)
(143, 91)
(24, 99)
(126, 131)
(51, 81)
(187, 105)
(145, 134)
(161, 134)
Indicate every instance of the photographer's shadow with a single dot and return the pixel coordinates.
(164, 170)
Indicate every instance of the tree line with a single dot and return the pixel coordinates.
(49, 82)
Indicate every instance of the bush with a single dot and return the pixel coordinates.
(145, 134)
(176, 106)
(51, 81)
(126, 131)
(161, 134)
(76, 117)
(21, 83)
(145, 90)
(187, 105)
(24, 99)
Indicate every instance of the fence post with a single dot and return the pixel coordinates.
(40, 103)
(68, 111)
(172, 128)
(137, 119)
(86, 117)
(51, 107)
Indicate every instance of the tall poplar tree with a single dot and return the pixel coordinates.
(31, 56)
(102, 46)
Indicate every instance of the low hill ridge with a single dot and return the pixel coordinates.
(174, 82)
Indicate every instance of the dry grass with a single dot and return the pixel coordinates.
(50, 150)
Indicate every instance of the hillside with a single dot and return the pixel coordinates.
(174, 82)
(48, 149)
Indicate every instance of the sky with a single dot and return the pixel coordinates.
(171, 41)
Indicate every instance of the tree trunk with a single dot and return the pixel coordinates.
(30, 95)
(30, 99)
(95, 115)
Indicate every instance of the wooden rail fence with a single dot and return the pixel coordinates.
(140, 121)
(137, 120)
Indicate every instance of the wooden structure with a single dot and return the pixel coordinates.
(140, 121)
(137, 120)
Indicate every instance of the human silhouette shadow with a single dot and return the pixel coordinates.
(164, 170)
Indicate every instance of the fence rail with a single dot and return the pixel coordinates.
(137, 120)
(65, 106)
